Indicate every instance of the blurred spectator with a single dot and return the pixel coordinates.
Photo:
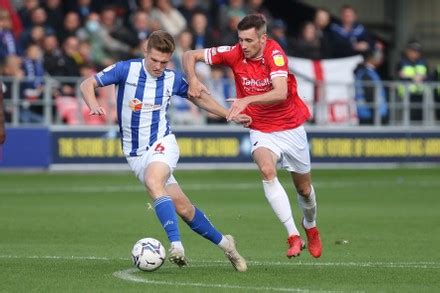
(38, 18)
(105, 48)
(116, 29)
(235, 9)
(183, 43)
(8, 45)
(349, 37)
(84, 9)
(11, 67)
(55, 13)
(257, 6)
(229, 36)
(188, 7)
(146, 6)
(436, 78)
(218, 84)
(170, 19)
(70, 26)
(203, 37)
(17, 26)
(32, 108)
(321, 21)
(368, 87)
(307, 44)
(141, 26)
(37, 36)
(413, 68)
(25, 12)
(278, 33)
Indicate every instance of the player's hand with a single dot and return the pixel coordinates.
(97, 111)
(237, 107)
(196, 88)
(243, 119)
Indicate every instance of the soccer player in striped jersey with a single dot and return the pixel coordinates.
(144, 91)
(267, 92)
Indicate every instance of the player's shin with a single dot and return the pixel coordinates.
(308, 207)
(279, 201)
(166, 213)
(203, 226)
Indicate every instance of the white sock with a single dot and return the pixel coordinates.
(308, 206)
(177, 244)
(224, 243)
(279, 201)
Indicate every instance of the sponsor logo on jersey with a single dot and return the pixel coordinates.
(135, 105)
(258, 83)
(278, 60)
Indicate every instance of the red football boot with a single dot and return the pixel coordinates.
(296, 244)
(314, 244)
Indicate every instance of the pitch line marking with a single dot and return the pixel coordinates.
(129, 275)
(403, 265)
(206, 186)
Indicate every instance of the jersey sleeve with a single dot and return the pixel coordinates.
(110, 75)
(277, 62)
(180, 86)
(223, 55)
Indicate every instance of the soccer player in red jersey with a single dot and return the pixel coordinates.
(267, 92)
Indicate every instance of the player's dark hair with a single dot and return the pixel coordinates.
(256, 21)
(161, 41)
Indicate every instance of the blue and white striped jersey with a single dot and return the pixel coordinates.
(142, 102)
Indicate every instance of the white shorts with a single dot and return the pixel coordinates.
(163, 150)
(290, 146)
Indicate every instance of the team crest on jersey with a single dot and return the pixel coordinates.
(278, 60)
(135, 105)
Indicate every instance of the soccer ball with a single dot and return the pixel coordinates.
(148, 254)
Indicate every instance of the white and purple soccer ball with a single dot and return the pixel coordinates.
(148, 254)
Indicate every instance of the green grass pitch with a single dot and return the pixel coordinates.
(73, 232)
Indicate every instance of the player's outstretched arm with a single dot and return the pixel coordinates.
(87, 88)
(208, 103)
(189, 60)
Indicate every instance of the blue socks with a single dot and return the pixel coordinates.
(166, 212)
(201, 225)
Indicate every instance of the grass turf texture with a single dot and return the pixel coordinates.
(74, 232)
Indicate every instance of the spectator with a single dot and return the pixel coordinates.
(146, 6)
(170, 19)
(32, 108)
(368, 88)
(25, 12)
(141, 27)
(218, 85)
(55, 13)
(70, 27)
(203, 37)
(349, 37)
(8, 45)
(229, 36)
(84, 9)
(114, 26)
(278, 32)
(257, 7)
(307, 44)
(183, 44)
(436, 78)
(188, 8)
(414, 69)
(321, 21)
(12, 68)
(235, 9)
(38, 18)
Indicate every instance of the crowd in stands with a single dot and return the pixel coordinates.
(77, 38)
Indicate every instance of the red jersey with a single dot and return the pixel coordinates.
(254, 77)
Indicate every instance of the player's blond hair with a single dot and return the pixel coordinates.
(161, 41)
(256, 21)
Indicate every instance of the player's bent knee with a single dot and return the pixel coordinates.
(268, 172)
(304, 189)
